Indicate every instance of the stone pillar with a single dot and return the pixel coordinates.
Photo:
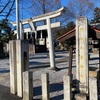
(45, 86)
(82, 53)
(27, 35)
(27, 86)
(21, 31)
(93, 90)
(13, 68)
(51, 45)
(67, 87)
(22, 53)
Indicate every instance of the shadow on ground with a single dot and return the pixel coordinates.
(6, 95)
(55, 87)
(4, 70)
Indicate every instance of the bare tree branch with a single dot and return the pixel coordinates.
(80, 7)
(5, 7)
(11, 8)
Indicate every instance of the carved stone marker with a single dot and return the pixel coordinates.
(82, 54)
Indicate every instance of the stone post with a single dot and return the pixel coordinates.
(22, 52)
(27, 86)
(45, 86)
(13, 68)
(67, 87)
(21, 31)
(82, 54)
(93, 90)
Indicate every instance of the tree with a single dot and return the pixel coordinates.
(63, 30)
(70, 26)
(96, 18)
(6, 32)
(43, 6)
(79, 8)
(7, 8)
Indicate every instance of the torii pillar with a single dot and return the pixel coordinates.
(51, 45)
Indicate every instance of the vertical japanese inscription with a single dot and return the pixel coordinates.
(82, 53)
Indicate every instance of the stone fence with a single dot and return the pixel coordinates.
(67, 88)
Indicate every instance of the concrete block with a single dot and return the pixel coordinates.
(13, 67)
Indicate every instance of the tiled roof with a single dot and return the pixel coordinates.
(62, 36)
(66, 34)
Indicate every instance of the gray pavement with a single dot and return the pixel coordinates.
(38, 64)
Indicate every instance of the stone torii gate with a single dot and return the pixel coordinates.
(45, 17)
(18, 49)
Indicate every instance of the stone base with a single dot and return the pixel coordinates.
(81, 96)
(54, 68)
(94, 72)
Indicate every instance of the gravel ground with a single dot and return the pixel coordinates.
(38, 64)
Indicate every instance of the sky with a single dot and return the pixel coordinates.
(23, 15)
(63, 3)
(96, 2)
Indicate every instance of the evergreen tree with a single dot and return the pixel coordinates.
(96, 18)
(63, 30)
(6, 32)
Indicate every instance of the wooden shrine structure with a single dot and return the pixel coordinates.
(93, 40)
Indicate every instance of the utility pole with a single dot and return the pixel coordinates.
(17, 19)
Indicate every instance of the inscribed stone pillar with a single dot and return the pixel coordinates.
(82, 54)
